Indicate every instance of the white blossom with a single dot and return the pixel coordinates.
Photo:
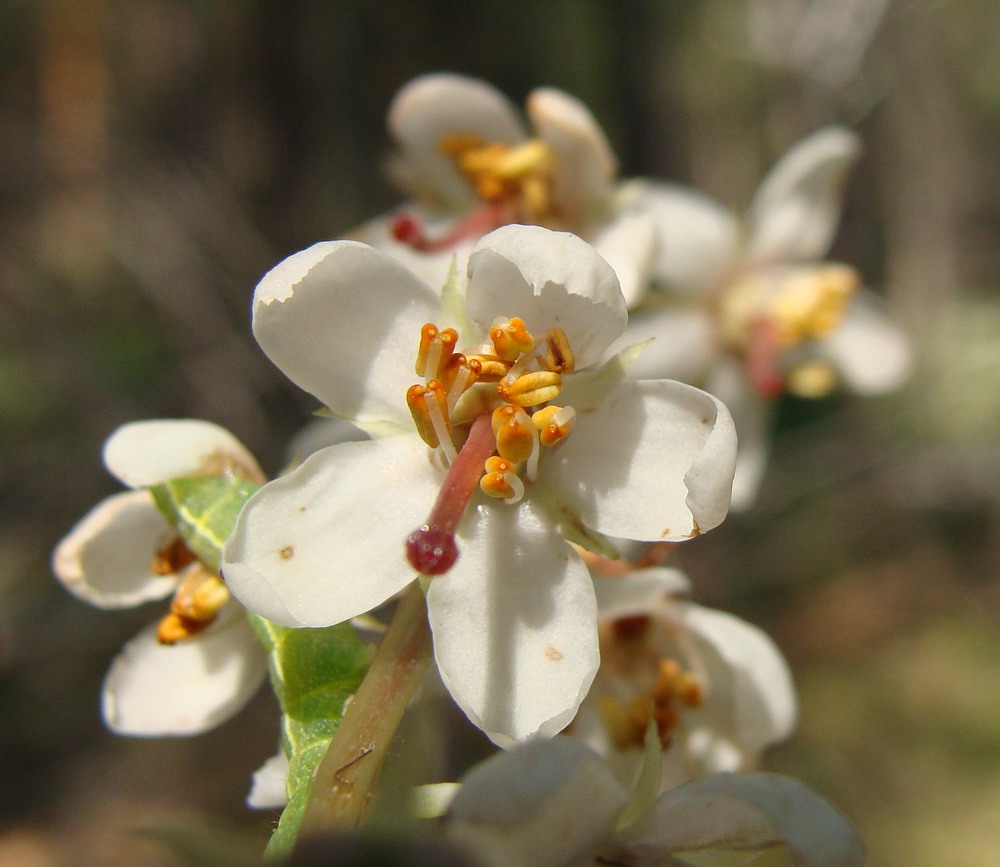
(558, 804)
(583, 453)
(123, 553)
(751, 311)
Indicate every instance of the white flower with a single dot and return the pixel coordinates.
(557, 804)
(123, 553)
(466, 158)
(514, 618)
(751, 311)
(717, 687)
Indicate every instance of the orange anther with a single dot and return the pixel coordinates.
(559, 356)
(511, 338)
(516, 440)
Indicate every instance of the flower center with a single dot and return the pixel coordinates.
(514, 183)
(198, 598)
(506, 417)
(769, 315)
(651, 686)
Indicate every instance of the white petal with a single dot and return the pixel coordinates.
(325, 542)
(269, 789)
(154, 690)
(550, 280)
(107, 557)
(144, 453)
(653, 462)
(796, 209)
(434, 106)
(543, 803)
(759, 683)
(683, 343)
(515, 625)
(343, 321)
(697, 239)
(753, 417)
(639, 591)
(733, 812)
(585, 166)
(627, 242)
(318, 434)
(870, 352)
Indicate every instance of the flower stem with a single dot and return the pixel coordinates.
(344, 779)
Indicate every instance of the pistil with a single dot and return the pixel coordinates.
(431, 548)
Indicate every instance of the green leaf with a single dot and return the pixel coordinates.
(314, 672)
(203, 511)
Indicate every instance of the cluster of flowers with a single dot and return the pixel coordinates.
(531, 453)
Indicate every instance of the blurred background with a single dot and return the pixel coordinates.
(158, 156)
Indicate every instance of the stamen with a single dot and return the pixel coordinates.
(421, 413)
(172, 557)
(516, 436)
(431, 548)
(436, 400)
(194, 607)
(554, 423)
(500, 481)
(511, 338)
(427, 336)
(491, 368)
(463, 377)
(559, 356)
(531, 388)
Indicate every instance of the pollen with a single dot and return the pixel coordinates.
(502, 420)
(554, 423)
(516, 178)
(194, 607)
(531, 388)
(510, 338)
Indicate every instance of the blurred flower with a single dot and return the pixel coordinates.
(514, 617)
(201, 663)
(466, 158)
(553, 803)
(717, 688)
(749, 310)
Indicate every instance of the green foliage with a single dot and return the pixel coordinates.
(203, 510)
(313, 671)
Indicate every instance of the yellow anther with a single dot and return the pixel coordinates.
(435, 350)
(497, 464)
(559, 356)
(427, 335)
(173, 628)
(516, 439)
(490, 368)
(812, 379)
(502, 486)
(511, 338)
(811, 302)
(200, 596)
(553, 423)
(527, 159)
(503, 414)
(530, 389)
(429, 407)
(421, 414)
(689, 689)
